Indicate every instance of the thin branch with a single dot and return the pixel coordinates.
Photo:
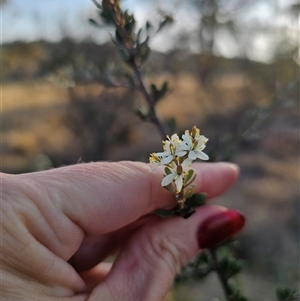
(226, 288)
(97, 4)
(149, 100)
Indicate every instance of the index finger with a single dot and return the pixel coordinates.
(103, 197)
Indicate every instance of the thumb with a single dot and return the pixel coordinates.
(146, 267)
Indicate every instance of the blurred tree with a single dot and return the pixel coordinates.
(21, 60)
(215, 17)
(2, 2)
(288, 34)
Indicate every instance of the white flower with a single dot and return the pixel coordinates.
(155, 161)
(177, 174)
(177, 157)
(173, 147)
(196, 146)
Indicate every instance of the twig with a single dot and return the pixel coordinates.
(226, 288)
(149, 99)
(97, 4)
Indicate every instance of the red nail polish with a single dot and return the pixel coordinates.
(219, 227)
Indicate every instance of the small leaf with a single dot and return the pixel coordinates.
(107, 16)
(144, 53)
(142, 112)
(164, 88)
(172, 124)
(94, 23)
(130, 80)
(189, 192)
(188, 214)
(197, 199)
(124, 54)
(148, 25)
(171, 187)
(97, 4)
(166, 21)
(119, 38)
(188, 176)
(138, 37)
(159, 93)
(192, 179)
(168, 171)
(154, 90)
(287, 294)
(129, 27)
(164, 212)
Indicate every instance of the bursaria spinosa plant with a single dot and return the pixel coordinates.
(178, 152)
(177, 159)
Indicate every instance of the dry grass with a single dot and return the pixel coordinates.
(17, 96)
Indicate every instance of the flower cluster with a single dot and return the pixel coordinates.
(177, 158)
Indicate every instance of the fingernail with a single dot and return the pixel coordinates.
(219, 227)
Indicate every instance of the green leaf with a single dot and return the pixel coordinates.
(94, 23)
(130, 80)
(164, 88)
(197, 199)
(159, 93)
(148, 25)
(108, 16)
(129, 27)
(119, 38)
(287, 294)
(168, 171)
(144, 53)
(172, 124)
(171, 188)
(138, 37)
(164, 213)
(190, 192)
(166, 21)
(97, 4)
(188, 176)
(188, 214)
(142, 112)
(154, 90)
(124, 53)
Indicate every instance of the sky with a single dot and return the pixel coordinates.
(35, 19)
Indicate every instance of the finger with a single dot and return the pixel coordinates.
(146, 267)
(96, 248)
(93, 277)
(103, 197)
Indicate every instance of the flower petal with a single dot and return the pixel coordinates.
(162, 154)
(168, 179)
(180, 153)
(153, 166)
(202, 155)
(187, 140)
(186, 164)
(178, 183)
(192, 155)
(167, 160)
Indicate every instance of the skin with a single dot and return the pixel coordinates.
(58, 226)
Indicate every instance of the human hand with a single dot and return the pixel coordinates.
(59, 225)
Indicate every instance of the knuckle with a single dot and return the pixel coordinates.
(163, 250)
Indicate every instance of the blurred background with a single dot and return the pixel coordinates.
(233, 71)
